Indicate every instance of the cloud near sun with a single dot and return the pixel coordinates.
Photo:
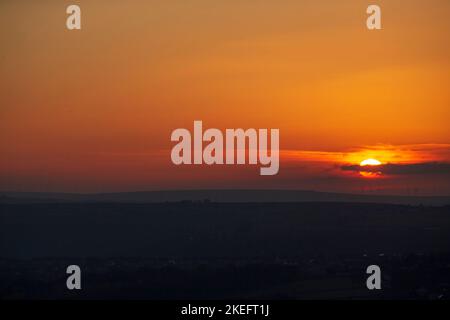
(386, 159)
(410, 168)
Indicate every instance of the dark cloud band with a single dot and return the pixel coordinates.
(412, 168)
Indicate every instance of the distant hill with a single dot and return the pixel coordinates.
(238, 196)
(220, 230)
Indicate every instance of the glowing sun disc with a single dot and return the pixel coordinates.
(370, 162)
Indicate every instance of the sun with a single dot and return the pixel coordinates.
(370, 162)
(370, 173)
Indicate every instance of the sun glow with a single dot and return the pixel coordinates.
(370, 162)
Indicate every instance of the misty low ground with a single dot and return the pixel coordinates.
(224, 250)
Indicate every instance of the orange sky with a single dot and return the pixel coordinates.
(92, 110)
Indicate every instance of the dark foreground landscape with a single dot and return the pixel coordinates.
(209, 250)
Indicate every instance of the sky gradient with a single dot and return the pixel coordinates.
(92, 110)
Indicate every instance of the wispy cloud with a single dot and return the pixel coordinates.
(387, 154)
(402, 169)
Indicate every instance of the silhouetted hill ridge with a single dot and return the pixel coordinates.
(237, 196)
